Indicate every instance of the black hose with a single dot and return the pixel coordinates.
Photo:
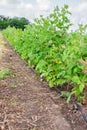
(78, 107)
(81, 111)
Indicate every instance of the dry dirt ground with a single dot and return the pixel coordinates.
(27, 103)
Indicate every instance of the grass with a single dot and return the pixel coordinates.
(4, 73)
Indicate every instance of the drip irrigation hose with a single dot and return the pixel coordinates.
(81, 111)
(78, 107)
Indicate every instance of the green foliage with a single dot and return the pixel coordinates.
(54, 52)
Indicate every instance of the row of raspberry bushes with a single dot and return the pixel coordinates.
(49, 47)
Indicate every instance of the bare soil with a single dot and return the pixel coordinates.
(26, 101)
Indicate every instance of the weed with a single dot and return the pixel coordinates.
(13, 86)
(13, 104)
(4, 73)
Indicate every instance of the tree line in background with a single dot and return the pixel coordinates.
(13, 22)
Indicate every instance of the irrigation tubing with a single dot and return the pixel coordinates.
(78, 107)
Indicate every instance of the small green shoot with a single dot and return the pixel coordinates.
(13, 86)
(13, 104)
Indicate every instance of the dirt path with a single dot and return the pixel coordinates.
(26, 103)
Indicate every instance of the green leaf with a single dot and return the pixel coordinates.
(60, 81)
(65, 94)
(76, 79)
(81, 87)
